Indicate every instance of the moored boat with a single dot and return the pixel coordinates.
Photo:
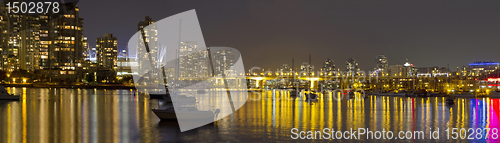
(465, 95)
(450, 100)
(400, 93)
(185, 113)
(4, 95)
(294, 93)
(311, 96)
(494, 94)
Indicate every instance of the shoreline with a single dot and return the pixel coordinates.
(70, 86)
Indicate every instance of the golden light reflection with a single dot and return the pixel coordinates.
(63, 115)
(389, 113)
(88, 115)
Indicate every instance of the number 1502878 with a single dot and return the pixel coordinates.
(472, 133)
(33, 7)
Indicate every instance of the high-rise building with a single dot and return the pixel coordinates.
(62, 41)
(285, 68)
(19, 41)
(352, 66)
(409, 69)
(396, 70)
(149, 33)
(382, 62)
(3, 41)
(328, 66)
(223, 61)
(405, 70)
(381, 67)
(107, 51)
(43, 41)
(306, 68)
(193, 60)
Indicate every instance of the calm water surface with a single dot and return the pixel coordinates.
(97, 115)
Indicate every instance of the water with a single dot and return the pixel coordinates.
(96, 115)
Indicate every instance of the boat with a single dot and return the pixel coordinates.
(450, 100)
(294, 93)
(417, 93)
(201, 91)
(351, 95)
(179, 98)
(376, 92)
(465, 95)
(159, 95)
(372, 93)
(494, 94)
(434, 94)
(401, 93)
(4, 95)
(187, 113)
(182, 99)
(311, 96)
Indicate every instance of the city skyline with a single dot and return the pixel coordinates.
(254, 62)
(246, 71)
(428, 34)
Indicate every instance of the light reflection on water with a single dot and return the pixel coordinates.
(96, 115)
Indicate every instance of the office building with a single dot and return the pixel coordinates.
(107, 51)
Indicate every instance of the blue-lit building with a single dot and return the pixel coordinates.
(483, 68)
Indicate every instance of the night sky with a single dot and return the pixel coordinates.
(270, 33)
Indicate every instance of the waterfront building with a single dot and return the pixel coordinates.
(62, 41)
(193, 60)
(125, 66)
(19, 47)
(395, 70)
(223, 61)
(284, 69)
(352, 67)
(382, 66)
(328, 66)
(483, 67)
(52, 42)
(405, 70)
(382, 62)
(107, 51)
(306, 67)
(432, 71)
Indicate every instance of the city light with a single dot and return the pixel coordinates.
(493, 79)
(483, 64)
(81, 89)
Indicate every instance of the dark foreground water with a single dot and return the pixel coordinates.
(93, 115)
